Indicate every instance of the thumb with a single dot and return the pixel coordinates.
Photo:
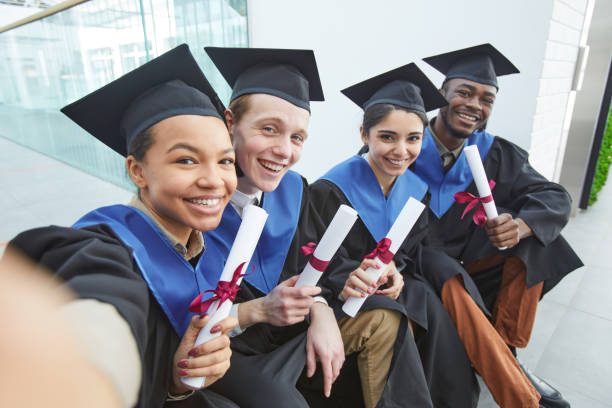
(195, 325)
(290, 282)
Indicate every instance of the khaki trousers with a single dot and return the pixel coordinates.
(372, 334)
(514, 314)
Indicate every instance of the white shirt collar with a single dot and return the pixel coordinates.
(240, 200)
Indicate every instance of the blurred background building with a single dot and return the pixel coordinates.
(53, 52)
(72, 47)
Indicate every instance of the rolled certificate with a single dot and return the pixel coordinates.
(397, 234)
(480, 179)
(253, 220)
(335, 233)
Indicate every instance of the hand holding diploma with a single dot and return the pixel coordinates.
(253, 221)
(386, 249)
(210, 360)
(486, 198)
(505, 231)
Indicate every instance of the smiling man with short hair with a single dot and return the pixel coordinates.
(510, 260)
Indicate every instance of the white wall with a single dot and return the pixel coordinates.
(556, 98)
(356, 39)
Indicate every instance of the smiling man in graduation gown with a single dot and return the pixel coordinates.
(533, 211)
(268, 118)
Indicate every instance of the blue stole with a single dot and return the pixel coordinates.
(444, 186)
(171, 279)
(355, 178)
(283, 208)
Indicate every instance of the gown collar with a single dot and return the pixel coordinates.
(355, 178)
(443, 186)
(172, 280)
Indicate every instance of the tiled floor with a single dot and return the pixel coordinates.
(571, 342)
(570, 346)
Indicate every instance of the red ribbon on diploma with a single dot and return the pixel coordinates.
(223, 291)
(479, 216)
(382, 251)
(316, 263)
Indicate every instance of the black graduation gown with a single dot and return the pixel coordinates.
(443, 374)
(269, 360)
(96, 264)
(524, 193)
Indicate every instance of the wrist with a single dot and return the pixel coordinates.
(318, 308)
(251, 312)
(524, 230)
(177, 388)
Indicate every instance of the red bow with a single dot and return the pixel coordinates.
(382, 251)
(316, 263)
(479, 216)
(224, 291)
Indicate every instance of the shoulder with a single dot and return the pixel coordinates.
(506, 148)
(323, 186)
(37, 241)
(70, 251)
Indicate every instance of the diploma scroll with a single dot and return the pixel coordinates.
(335, 233)
(480, 179)
(397, 234)
(253, 221)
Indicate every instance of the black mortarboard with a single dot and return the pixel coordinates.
(406, 86)
(170, 85)
(289, 74)
(482, 63)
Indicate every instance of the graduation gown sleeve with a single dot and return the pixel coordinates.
(263, 337)
(543, 205)
(524, 193)
(95, 264)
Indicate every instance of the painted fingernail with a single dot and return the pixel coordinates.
(193, 352)
(215, 329)
(363, 294)
(369, 291)
(374, 285)
(182, 364)
(183, 373)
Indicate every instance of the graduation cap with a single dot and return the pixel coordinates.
(406, 86)
(170, 85)
(288, 74)
(482, 63)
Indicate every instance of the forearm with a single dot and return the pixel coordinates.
(108, 343)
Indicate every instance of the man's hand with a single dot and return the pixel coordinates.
(394, 281)
(210, 359)
(286, 304)
(323, 341)
(505, 231)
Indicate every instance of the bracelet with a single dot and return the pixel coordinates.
(179, 397)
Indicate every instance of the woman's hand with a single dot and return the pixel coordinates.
(394, 281)
(359, 283)
(210, 359)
